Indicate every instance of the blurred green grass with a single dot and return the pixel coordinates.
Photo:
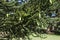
(48, 37)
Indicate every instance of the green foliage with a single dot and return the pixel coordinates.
(23, 20)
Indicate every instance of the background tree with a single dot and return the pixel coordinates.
(22, 20)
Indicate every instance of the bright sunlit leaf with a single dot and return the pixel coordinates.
(51, 1)
(7, 15)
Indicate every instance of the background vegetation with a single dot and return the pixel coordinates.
(34, 16)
